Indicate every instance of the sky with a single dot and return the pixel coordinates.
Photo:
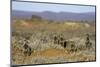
(40, 7)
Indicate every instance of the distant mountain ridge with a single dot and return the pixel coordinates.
(60, 16)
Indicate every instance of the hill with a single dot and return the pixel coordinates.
(60, 16)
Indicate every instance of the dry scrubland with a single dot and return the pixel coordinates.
(40, 35)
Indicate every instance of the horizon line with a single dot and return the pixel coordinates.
(53, 11)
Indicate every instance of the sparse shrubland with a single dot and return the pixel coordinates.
(51, 42)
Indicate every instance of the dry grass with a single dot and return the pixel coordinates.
(47, 51)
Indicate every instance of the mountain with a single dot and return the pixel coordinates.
(60, 16)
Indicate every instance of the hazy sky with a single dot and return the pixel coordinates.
(39, 7)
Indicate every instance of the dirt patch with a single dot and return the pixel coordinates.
(50, 53)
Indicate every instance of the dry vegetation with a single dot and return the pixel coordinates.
(40, 36)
